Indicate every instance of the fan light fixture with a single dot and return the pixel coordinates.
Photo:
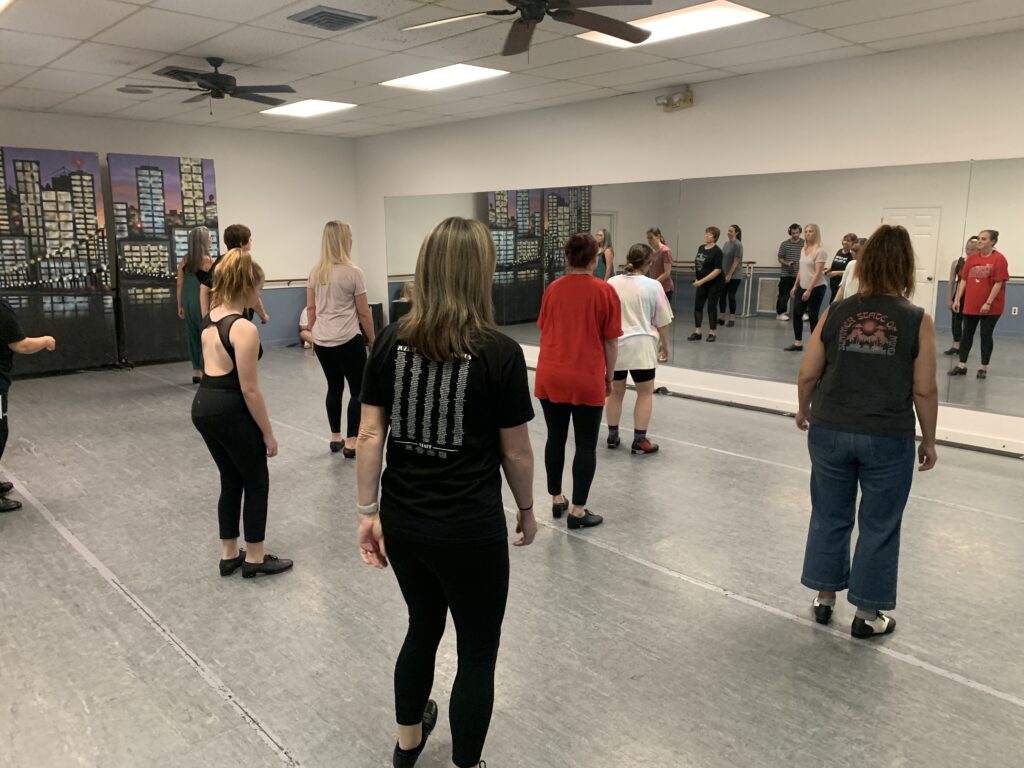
(308, 108)
(445, 77)
(686, 21)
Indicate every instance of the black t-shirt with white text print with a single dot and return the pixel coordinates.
(707, 261)
(442, 483)
(10, 332)
(840, 262)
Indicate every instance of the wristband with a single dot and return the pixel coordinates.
(525, 509)
(368, 510)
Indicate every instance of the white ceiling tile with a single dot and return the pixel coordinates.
(931, 21)
(226, 10)
(255, 75)
(30, 98)
(88, 104)
(255, 120)
(110, 89)
(162, 30)
(510, 82)
(324, 56)
(64, 81)
(382, 9)
(388, 67)
(28, 50)
(388, 34)
(850, 12)
(675, 82)
(465, 106)
(401, 118)
(946, 35)
(365, 94)
(647, 72)
(421, 99)
(562, 49)
(504, 109)
(353, 127)
(106, 59)
(12, 73)
(595, 95)
(775, 49)
(315, 87)
(784, 6)
(80, 19)
(487, 41)
(720, 39)
(192, 116)
(802, 60)
(149, 110)
(548, 91)
(248, 45)
(593, 65)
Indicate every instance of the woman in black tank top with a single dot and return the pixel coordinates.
(230, 414)
(869, 366)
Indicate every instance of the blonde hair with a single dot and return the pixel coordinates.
(453, 312)
(333, 250)
(236, 278)
(818, 243)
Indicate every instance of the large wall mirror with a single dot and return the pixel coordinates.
(941, 204)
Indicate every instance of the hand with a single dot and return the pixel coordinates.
(264, 318)
(956, 305)
(985, 308)
(50, 342)
(181, 313)
(371, 542)
(696, 283)
(728, 280)
(607, 387)
(801, 421)
(662, 353)
(926, 457)
(807, 295)
(271, 442)
(526, 524)
(792, 291)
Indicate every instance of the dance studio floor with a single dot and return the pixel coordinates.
(677, 634)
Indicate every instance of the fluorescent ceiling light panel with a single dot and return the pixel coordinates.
(445, 77)
(686, 21)
(308, 108)
(4, 4)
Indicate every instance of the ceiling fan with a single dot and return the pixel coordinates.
(211, 85)
(532, 12)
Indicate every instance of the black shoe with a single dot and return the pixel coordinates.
(9, 505)
(643, 446)
(270, 566)
(196, 379)
(406, 758)
(337, 445)
(227, 567)
(693, 337)
(794, 348)
(982, 374)
(711, 337)
(587, 520)
(6, 488)
(557, 510)
(822, 613)
(730, 324)
(614, 440)
(952, 351)
(348, 453)
(957, 371)
(661, 391)
(880, 625)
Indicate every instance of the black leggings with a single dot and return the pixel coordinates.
(706, 293)
(728, 294)
(785, 286)
(988, 325)
(958, 326)
(812, 307)
(472, 582)
(4, 428)
(236, 444)
(343, 363)
(586, 423)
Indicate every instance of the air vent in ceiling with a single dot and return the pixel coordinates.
(330, 19)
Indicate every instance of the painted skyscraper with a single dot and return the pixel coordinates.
(149, 182)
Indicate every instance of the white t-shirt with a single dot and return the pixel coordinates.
(645, 308)
(336, 319)
(808, 262)
(850, 284)
(304, 318)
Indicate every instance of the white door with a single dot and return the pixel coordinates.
(607, 221)
(923, 226)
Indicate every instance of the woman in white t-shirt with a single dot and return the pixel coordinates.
(336, 304)
(646, 317)
(809, 289)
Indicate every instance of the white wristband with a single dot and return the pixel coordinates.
(368, 510)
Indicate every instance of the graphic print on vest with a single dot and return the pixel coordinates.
(872, 333)
(432, 422)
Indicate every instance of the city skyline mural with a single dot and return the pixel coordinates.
(55, 267)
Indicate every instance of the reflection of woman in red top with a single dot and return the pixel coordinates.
(981, 298)
(580, 323)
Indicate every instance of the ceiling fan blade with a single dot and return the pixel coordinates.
(160, 87)
(269, 100)
(450, 19)
(181, 74)
(519, 36)
(197, 98)
(263, 89)
(598, 3)
(603, 24)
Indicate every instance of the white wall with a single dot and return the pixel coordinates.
(283, 186)
(637, 208)
(997, 202)
(900, 108)
(409, 219)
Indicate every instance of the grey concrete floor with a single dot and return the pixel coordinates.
(677, 634)
(753, 348)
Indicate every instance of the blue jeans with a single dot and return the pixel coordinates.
(884, 468)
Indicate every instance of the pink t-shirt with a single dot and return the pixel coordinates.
(661, 261)
(336, 320)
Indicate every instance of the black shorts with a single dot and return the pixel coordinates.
(639, 377)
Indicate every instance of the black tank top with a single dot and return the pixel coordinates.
(227, 380)
(867, 386)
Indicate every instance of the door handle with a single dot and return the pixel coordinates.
(930, 278)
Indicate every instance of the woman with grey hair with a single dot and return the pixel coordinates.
(197, 260)
(605, 269)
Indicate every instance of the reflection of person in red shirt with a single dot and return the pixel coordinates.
(981, 297)
(580, 323)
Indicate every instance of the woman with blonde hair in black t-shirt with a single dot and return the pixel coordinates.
(447, 395)
(869, 366)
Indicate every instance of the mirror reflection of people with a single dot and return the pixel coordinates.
(580, 323)
(646, 319)
(13, 341)
(605, 269)
(732, 265)
(869, 366)
(789, 266)
(235, 236)
(840, 262)
(445, 381)
(661, 262)
(199, 260)
(981, 298)
(230, 413)
(849, 284)
(708, 281)
(305, 334)
(337, 306)
(952, 286)
(809, 289)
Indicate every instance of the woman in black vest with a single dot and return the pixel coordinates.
(869, 366)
